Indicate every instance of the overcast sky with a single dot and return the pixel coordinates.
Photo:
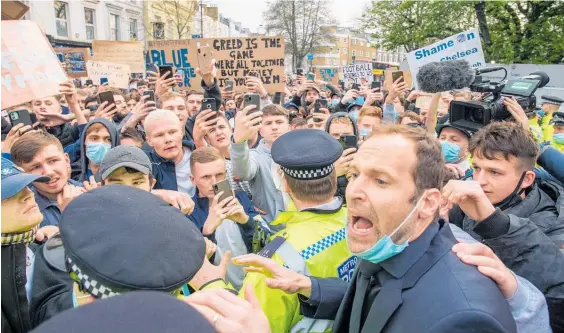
(249, 12)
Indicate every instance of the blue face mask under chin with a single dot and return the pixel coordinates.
(96, 151)
(558, 138)
(451, 151)
(385, 248)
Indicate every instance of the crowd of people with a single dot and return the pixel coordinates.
(319, 209)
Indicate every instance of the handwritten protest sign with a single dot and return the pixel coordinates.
(465, 45)
(30, 68)
(423, 101)
(74, 60)
(330, 75)
(358, 73)
(118, 52)
(388, 80)
(235, 59)
(117, 74)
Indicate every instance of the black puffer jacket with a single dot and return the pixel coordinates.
(67, 134)
(528, 238)
(15, 308)
(342, 181)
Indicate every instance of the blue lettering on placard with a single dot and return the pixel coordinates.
(328, 73)
(346, 269)
(460, 54)
(439, 48)
(179, 60)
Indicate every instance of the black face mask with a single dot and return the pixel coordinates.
(118, 118)
(514, 198)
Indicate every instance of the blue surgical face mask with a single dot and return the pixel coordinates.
(354, 115)
(385, 248)
(96, 151)
(335, 102)
(558, 138)
(451, 151)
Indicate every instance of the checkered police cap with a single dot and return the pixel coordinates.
(309, 174)
(88, 283)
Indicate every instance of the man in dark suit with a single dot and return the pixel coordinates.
(407, 279)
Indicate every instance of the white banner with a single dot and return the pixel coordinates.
(358, 73)
(465, 45)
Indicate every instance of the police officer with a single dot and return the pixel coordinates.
(550, 105)
(116, 239)
(313, 242)
(557, 123)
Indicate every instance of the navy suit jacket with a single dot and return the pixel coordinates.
(427, 289)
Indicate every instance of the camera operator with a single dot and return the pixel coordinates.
(505, 208)
(454, 143)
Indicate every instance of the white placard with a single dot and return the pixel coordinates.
(358, 73)
(465, 45)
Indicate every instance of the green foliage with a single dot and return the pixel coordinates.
(512, 31)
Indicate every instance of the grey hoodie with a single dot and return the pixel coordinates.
(114, 134)
(255, 166)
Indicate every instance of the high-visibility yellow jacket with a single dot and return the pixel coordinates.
(314, 245)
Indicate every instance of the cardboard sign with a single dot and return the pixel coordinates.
(74, 60)
(423, 101)
(30, 68)
(235, 59)
(330, 75)
(465, 45)
(117, 74)
(388, 80)
(118, 52)
(358, 73)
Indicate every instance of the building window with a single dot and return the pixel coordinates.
(169, 28)
(61, 13)
(331, 49)
(353, 53)
(338, 50)
(335, 62)
(345, 40)
(89, 19)
(158, 30)
(344, 62)
(361, 43)
(133, 29)
(354, 41)
(328, 61)
(361, 54)
(114, 27)
(345, 51)
(373, 54)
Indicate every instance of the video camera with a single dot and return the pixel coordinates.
(473, 115)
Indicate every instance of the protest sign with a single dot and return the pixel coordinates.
(388, 80)
(118, 52)
(465, 45)
(117, 74)
(74, 60)
(330, 75)
(358, 73)
(235, 59)
(30, 68)
(423, 101)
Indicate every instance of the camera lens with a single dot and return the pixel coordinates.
(208, 106)
(14, 116)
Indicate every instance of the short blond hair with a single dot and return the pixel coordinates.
(369, 111)
(204, 155)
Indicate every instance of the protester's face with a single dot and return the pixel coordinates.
(100, 135)
(53, 162)
(121, 106)
(136, 179)
(338, 130)
(81, 98)
(194, 102)
(220, 134)
(130, 142)
(497, 177)
(455, 136)
(141, 89)
(230, 105)
(204, 175)
(314, 125)
(423, 113)
(380, 190)
(166, 137)
(20, 212)
(273, 126)
(312, 95)
(131, 104)
(178, 106)
(48, 105)
(368, 122)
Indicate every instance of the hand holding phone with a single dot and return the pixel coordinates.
(348, 141)
(204, 59)
(251, 99)
(22, 116)
(107, 96)
(164, 70)
(397, 75)
(225, 187)
(151, 95)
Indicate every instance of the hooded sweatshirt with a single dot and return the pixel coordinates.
(341, 180)
(80, 168)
